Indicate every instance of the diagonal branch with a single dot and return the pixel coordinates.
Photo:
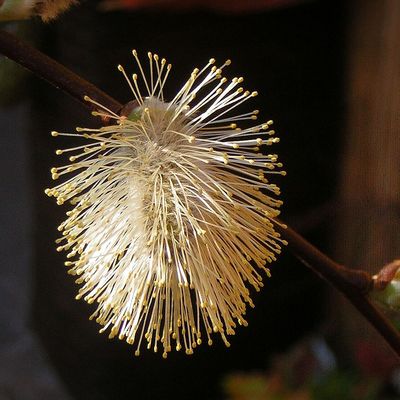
(353, 284)
(53, 72)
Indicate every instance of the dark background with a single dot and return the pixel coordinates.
(295, 58)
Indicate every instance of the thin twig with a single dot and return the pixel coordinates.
(53, 72)
(354, 284)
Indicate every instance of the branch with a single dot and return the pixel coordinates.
(353, 284)
(53, 72)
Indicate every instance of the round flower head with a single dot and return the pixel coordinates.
(173, 217)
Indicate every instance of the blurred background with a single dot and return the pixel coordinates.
(327, 73)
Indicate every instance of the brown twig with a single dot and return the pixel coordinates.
(53, 72)
(354, 284)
